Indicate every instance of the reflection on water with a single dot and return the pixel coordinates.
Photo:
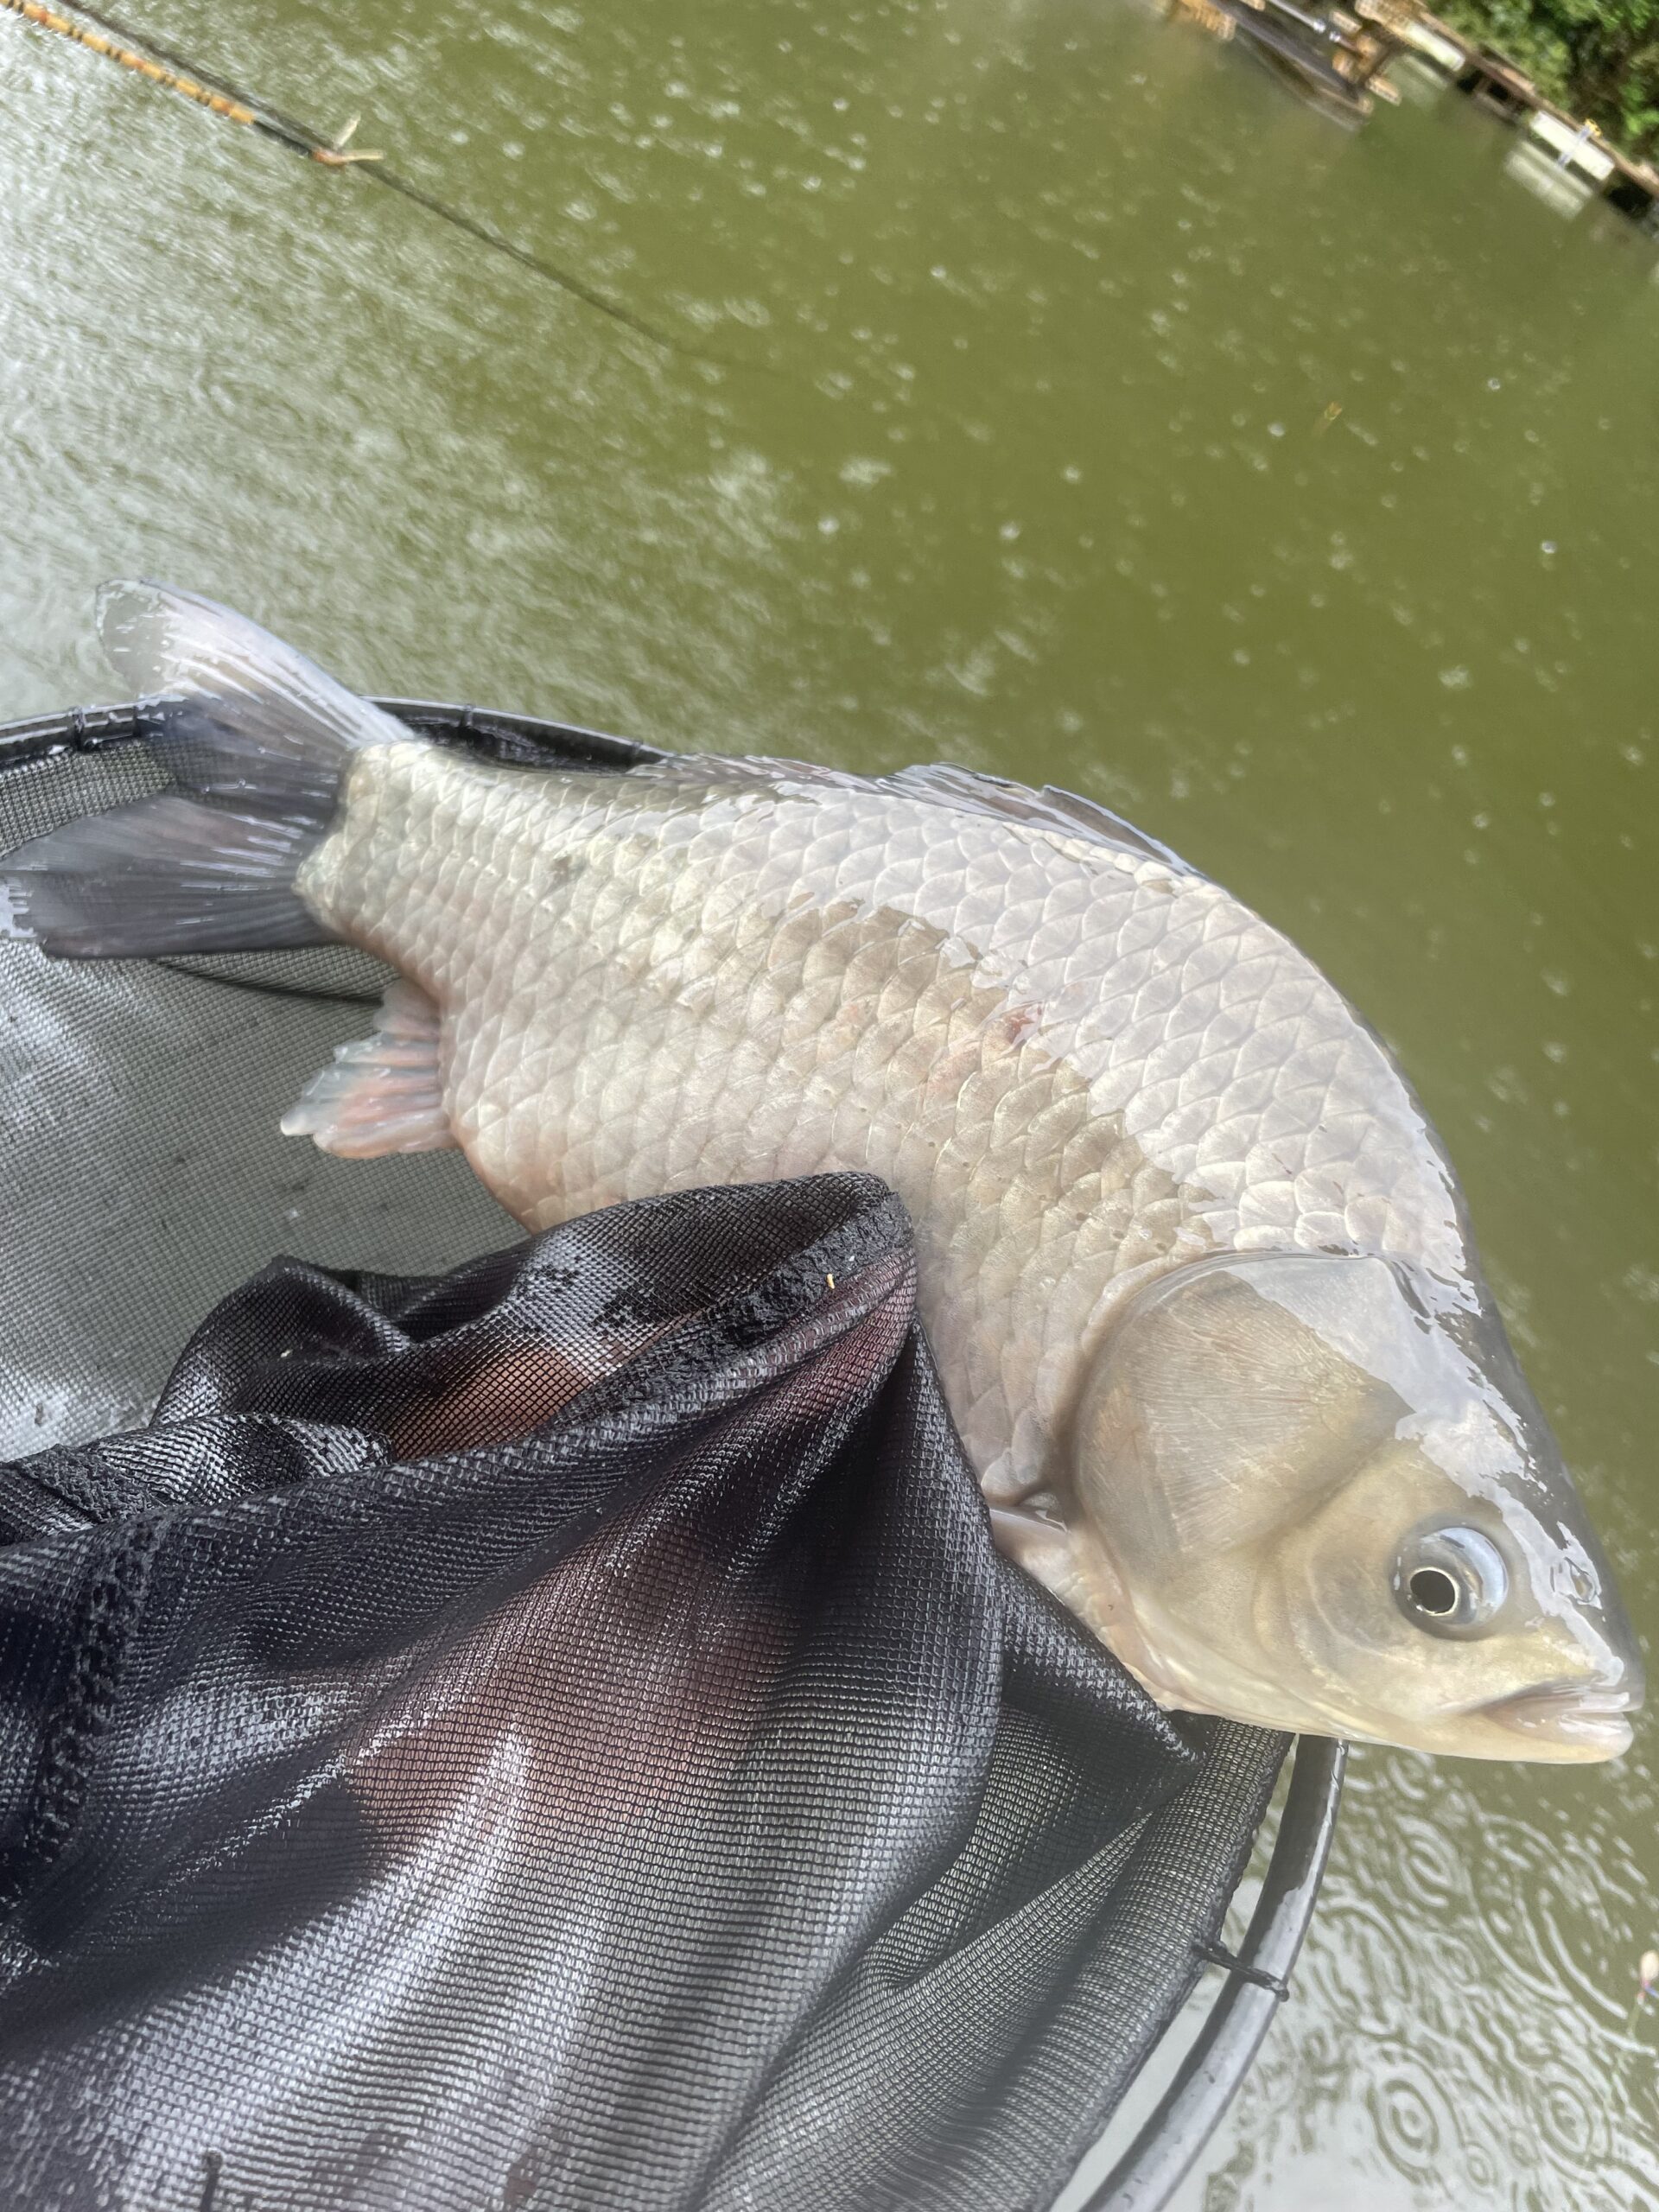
(1116, 423)
(1544, 177)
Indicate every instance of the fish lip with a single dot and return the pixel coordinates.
(1591, 1715)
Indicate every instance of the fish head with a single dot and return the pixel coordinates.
(1321, 1496)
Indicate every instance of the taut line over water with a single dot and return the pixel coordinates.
(147, 58)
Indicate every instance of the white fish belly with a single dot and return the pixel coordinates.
(1074, 1062)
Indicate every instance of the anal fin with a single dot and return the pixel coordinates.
(384, 1092)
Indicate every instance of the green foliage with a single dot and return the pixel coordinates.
(1599, 58)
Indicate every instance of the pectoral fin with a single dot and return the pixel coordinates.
(384, 1093)
(1037, 1541)
(1068, 1560)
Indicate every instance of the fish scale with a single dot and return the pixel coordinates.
(1076, 1064)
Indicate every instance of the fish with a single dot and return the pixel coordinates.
(1193, 1265)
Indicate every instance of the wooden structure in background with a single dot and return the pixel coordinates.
(1332, 59)
(1336, 61)
(1566, 140)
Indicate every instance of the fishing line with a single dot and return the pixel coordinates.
(175, 73)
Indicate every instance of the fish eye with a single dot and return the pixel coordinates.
(1432, 1589)
(1451, 1580)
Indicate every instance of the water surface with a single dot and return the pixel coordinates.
(1110, 421)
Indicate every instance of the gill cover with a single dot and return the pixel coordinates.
(1304, 1497)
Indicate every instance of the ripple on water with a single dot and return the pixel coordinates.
(1417, 2128)
(1431, 1869)
(1574, 2121)
(1457, 2034)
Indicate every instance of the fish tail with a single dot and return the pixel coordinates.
(257, 743)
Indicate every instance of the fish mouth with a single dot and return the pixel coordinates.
(1584, 1720)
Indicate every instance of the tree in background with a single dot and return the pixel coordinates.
(1600, 58)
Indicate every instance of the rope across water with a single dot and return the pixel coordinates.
(145, 57)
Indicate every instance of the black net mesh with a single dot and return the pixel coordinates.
(551, 1733)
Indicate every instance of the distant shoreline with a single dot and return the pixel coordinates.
(1338, 62)
(1602, 65)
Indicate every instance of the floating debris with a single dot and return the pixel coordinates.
(1647, 1985)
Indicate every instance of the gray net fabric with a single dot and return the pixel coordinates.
(553, 1732)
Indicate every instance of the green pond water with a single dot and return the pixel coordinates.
(1109, 420)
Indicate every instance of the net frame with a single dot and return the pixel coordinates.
(1256, 1979)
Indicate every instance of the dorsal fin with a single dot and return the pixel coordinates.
(940, 783)
(1047, 809)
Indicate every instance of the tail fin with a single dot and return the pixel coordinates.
(257, 743)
